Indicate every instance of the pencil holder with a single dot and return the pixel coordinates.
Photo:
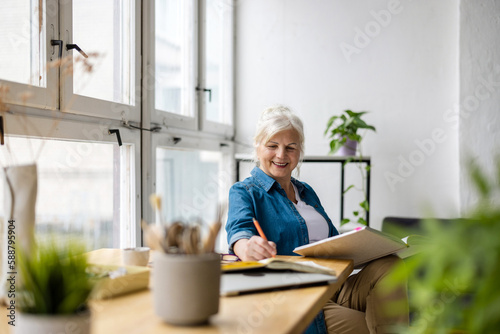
(186, 288)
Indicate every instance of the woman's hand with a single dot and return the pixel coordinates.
(254, 249)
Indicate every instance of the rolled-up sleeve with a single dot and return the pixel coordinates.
(240, 214)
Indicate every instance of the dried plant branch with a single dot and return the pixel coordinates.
(66, 67)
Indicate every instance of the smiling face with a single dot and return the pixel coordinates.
(280, 155)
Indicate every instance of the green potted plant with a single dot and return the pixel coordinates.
(343, 131)
(344, 138)
(53, 289)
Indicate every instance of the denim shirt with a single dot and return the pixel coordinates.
(261, 197)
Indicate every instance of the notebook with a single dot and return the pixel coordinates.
(361, 245)
(235, 283)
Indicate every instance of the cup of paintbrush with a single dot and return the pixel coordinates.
(185, 279)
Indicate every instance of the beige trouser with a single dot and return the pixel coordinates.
(364, 304)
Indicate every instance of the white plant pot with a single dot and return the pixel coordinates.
(349, 148)
(52, 324)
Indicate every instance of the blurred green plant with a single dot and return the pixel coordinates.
(54, 279)
(454, 281)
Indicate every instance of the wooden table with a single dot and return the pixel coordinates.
(285, 311)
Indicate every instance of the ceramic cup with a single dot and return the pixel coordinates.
(186, 287)
(138, 256)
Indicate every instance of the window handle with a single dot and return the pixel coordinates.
(118, 137)
(206, 90)
(77, 48)
(59, 43)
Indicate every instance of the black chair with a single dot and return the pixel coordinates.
(404, 226)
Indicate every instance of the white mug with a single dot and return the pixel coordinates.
(138, 256)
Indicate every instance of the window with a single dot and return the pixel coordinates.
(25, 34)
(165, 83)
(217, 74)
(107, 83)
(188, 181)
(85, 188)
(189, 88)
(192, 53)
(193, 177)
(175, 75)
(100, 50)
(107, 32)
(67, 103)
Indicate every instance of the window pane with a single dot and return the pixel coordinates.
(218, 60)
(105, 27)
(79, 189)
(189, 184)
(22, 37)
(174, 56)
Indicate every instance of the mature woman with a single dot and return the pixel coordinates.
(291, 215)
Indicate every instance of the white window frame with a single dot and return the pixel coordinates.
(160, 117)
(41, 97)
(170, 120)
(85, 129)
(84, 105)
(226, 100)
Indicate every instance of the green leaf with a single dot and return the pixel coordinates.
(330, 123)
(348, 188)
(355, 114)
(361, 220)
(355, 137)
(365, 205)
(344, 221)
(335, 145)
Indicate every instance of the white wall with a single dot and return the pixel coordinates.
(405, 74)
(479, 88)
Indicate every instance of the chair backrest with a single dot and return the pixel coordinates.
(404, 226)
(401, 226)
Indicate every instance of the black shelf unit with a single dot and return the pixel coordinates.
(330, 159)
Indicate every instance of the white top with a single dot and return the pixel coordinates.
(317, 227)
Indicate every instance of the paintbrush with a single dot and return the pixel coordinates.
(209, 242)
(153, 237)
(155, 201)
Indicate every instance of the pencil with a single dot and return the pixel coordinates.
(259, 229)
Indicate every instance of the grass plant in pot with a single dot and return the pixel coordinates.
(343, 132)
(53, 289)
